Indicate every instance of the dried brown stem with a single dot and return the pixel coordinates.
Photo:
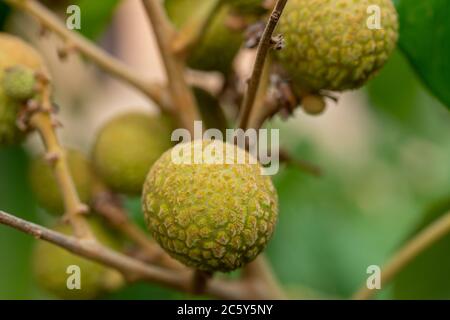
(263, 48)
(108, 63)
(181, 95)
(41, 120)
(132, 269)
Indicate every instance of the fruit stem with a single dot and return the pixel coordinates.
(105, 61)
(418, 244)
(261, 54)
(42, 122)
(132, 269)
(182, 96)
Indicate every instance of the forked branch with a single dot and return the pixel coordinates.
(108, 63)
(136, 270)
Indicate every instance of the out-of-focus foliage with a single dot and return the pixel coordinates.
(96, 16)
(426, 277)
(424, 34)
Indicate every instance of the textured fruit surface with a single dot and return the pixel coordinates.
(329, 45)
(212, 217)
(50, 265)
(46, 189)
(13, 52)
(126, 148)
(219, 44)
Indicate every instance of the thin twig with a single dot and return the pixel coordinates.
(73, 206)
(182, 96)
(263, 48)
(109, 208)
(108, 63)
(132, 269)
(41, 120)
(260, 276)
(422, 241)
(303, 165)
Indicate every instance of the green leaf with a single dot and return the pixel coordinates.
(426, 277)
(424, 35)
(95, 16)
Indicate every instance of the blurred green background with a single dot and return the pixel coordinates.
(330, 228)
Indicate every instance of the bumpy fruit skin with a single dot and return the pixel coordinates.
(212, 217)
(45, 187)
(13, 52)
(219, 45)
(126, 148)
(50, 264)
(329, 45)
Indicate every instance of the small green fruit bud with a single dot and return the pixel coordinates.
(19, 83)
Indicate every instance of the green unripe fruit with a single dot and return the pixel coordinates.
(218, 46)
(126, 148)
(329, 44)
(51, 263)
(14, 52)
(19, 83)
(46, 189)
(212, 217)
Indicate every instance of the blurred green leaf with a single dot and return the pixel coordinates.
(424, 34)
(15, 247)
(426, 277)
(95, 16)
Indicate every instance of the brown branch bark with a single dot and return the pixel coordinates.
(105, 61)
(132, 269)
(41, 120)
(258, 68)
(73, 206)
(182, 96)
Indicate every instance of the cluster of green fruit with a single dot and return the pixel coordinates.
(329, 45)
(212, 217)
